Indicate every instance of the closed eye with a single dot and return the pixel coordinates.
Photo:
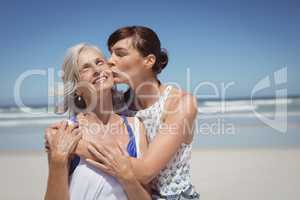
(85, 67)
(120, 52)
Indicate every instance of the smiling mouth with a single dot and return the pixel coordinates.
(100, 79)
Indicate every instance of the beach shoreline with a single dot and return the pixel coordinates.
(263, 173)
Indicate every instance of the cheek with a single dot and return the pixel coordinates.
(123, 64)
(130, 65)
(85, 76)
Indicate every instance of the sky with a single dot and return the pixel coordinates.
(210, 43)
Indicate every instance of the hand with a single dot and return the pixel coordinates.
(61, 140)
(112, 159)
(53, 129)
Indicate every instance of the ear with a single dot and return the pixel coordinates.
(149, 61)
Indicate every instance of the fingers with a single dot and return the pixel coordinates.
(97, 154)
(67, 127)
(76, 138)
(49, 137)
(47, 147)
(122, 151)
(112, 149)
(72, 126)
(76, 131)
(48, 134)
(64, 124)
(56, 125)
(80, 115)
(107, 157)
(62, 128)
(99, 148)
(63, 140)
(76, 135)
(100, 166)
(82, 119)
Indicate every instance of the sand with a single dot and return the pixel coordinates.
(229, 174)
(247, 174)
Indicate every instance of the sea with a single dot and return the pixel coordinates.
(230, 123)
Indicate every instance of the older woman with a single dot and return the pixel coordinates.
(89, 84)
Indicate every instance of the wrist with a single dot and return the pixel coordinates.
(59, 159)
(127, 178)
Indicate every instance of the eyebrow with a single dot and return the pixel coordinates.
(100, 59)
(85, 65)
(119, 49)
(96, 59)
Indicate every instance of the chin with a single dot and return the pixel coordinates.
(105, 87)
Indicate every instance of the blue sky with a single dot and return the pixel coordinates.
(220, 41)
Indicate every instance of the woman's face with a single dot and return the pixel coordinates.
(93, 70)
(126, 62)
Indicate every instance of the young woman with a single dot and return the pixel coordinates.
(90, 84)
(168, 114)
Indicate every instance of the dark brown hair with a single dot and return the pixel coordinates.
(145, 40)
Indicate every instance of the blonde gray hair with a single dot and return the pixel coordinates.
(70, 70)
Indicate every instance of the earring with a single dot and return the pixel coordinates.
(79, 102)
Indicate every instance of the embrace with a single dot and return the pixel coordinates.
(134, 145)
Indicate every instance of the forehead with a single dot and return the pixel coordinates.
(89, 54)
(125, 43)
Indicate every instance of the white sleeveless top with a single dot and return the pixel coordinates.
(88, 182)
(175, 177)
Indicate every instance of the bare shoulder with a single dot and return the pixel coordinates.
(181, 102)
(131, 120)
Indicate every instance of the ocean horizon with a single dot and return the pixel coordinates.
(233, 123)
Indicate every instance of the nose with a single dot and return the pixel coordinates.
(111, 61)
(96, 71)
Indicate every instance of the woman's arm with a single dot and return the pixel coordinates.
(134, 189)
(57, 186)
(177, 128)
(62, 141)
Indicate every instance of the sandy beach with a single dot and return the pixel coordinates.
(219, 174)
